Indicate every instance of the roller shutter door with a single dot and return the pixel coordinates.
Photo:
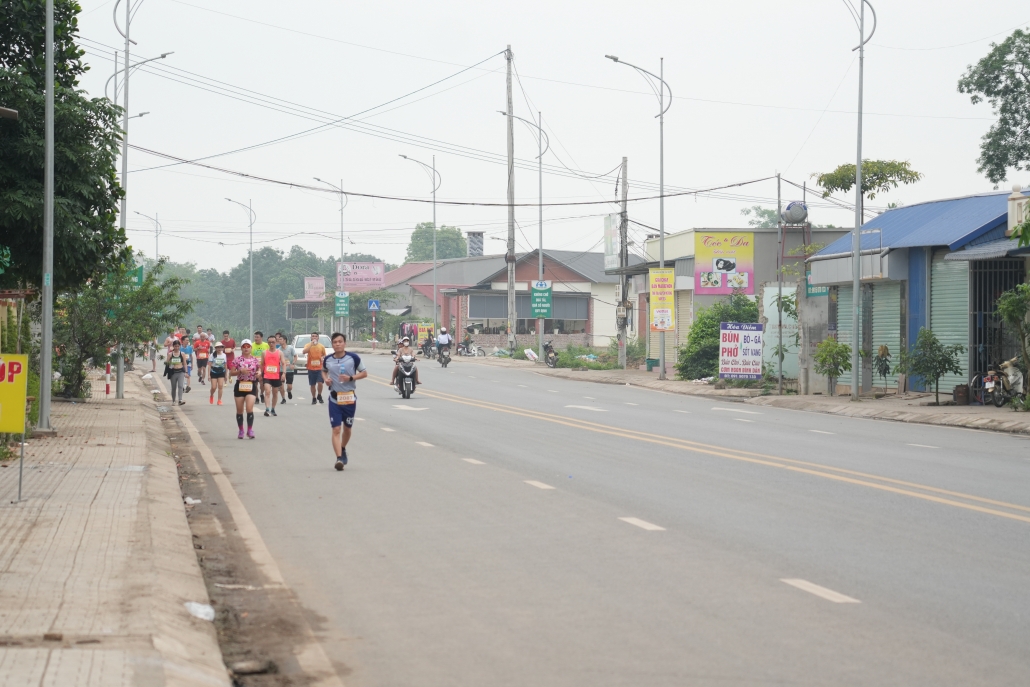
(887, 321)
(949, 312)
(684, 316)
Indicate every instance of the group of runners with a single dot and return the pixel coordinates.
(266, 370)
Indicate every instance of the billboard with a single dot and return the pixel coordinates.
(662, 283)
(611, 241)
(740, 350)
(359, 276)
(724, 262)
(314, 288)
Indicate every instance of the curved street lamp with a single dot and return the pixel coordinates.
(662, 109)
(437, 181)
(344, 201)
(157, 229)
(252, 216)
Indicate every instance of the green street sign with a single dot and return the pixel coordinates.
(136, 277)
(342, 304)
(540, 300)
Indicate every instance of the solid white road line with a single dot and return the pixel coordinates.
(737, 410)
(922, 446)
(424, 443)
(594, 408)
(740, 419)
(643, 524)
(386, 429)
(819, 431)
(823, 592)
(473, 461)
(538, 485)
(399, 407)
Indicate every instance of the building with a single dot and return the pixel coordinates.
(940, 265)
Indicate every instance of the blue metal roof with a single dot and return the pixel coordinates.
(953, 223)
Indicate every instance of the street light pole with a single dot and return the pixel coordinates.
(252, 217)
(663, 108)
(540, 245)
(437, 181)
(157, 232)
(47, 341)
(344, 200)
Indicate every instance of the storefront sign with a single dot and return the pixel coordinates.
(14, 380)
(424, 331)
(342, 304)
(360, 276)
(540, 300)
(724, 262)
(740, 350)
(814, 291)
(662, 283)
(611, 241)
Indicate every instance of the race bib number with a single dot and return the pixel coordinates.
(315, 364)
(345, 398)
(202, 356)
(246, 386)
(271, 369)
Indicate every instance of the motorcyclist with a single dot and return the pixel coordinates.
(404, 349)
(442, 340)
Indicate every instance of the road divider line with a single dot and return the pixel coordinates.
(538, 485)
(644, 524)
(737, 410)
(822, 592)
(473, 461)
(424, 443)
(922, 446)
(819, 431)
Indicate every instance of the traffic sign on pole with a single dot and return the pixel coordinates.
(342, 304)
(373, 305)
(540, 300)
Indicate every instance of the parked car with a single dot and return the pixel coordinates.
(302, 340)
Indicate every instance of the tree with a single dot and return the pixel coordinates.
(930, 360)
(832, 359)
(1002, 78)
(878, 176)
(87, 241)
(110, 310)
(761, 218)
(882, 364)
(700, 357)
(450, 243)
(1014, 308)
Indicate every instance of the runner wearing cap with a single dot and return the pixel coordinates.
(218, 367)
(341, 370)
(247, 371)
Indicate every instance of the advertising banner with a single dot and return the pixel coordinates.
(740, 350)
(814, 291)
(611, 241)
(14, 379)
(360, 276)
(314, 288)
(342, 304)
(540, 300)
(424, 331)
(662, 284)
(724, 262)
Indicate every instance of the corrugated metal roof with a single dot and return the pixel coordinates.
(999, 248)
(405, 272)
(954, 223)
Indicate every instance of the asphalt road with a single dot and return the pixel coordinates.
(505, 528)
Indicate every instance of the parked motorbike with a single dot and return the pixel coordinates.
(406, 376)
(470, 349)
(550, 357)
(445, 355)
(1007, 385)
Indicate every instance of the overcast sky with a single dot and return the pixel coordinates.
(759, 88)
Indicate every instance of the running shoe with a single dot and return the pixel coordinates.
(266, 412)
(188, 387)
(211, 400)
(320, 399)
(290, 394)
(182, 403)
(219, 401)
(339, 465)
(273, 413)
(241, 433)
(314, 402)
(250, 433)
(343, 458)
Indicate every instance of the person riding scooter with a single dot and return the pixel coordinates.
(442, 341)
(404, 349)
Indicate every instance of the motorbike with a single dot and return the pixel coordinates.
(426, 349)
(445, 355)
(550, 357)
(1007, 385)
(470, 349)
(405, 382)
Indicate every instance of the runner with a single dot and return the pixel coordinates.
(187, 353)
(202, 351)
(197, 334)
(315, 353)
(279, 341)
(219, 365)
(258, 348)
(175, 370)
(272, 373)
(291, 364)
(246, 368)
(341, 370)
(230, 347)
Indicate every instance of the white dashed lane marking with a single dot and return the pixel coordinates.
(632, 404)
(738, 410)
(386, 429)
(643, 524)
(553, 391)
(740, 419)
(823, 592)
(424, 443)
(594, 408)
(400, 407)
(538, 485)
(473, 461)
(819, 431)
(922, 446)
(685, 412)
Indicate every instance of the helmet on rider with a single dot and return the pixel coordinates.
(443, 330)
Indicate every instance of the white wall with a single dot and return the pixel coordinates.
(603, 328)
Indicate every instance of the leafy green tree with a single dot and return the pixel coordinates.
(111, 310)
(878, 176)
(832, 359)
(450, 243)
(1014, 308)
(930, 360)
(700, 357)
(87, 241)
(761, 218)
(1000, 78)
(882, 364)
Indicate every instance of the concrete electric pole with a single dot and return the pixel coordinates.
(510, 255)
(623, 263)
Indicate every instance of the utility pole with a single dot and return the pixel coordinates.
(623, 264)
(779, 287)
(250, 215)
(120, 376)
(540, 241)
(341, 251)
(436, 331)
(661, 201)
(510, 256)
(47, 341)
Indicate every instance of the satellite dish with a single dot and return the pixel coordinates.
(796, 212)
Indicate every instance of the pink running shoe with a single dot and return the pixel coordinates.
(241, 433)
(250, 433)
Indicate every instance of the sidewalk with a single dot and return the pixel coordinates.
(97, 561)
(905, 409)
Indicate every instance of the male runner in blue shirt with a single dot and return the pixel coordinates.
(341, 370)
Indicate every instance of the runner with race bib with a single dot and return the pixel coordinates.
(247, 371)
(340, 371)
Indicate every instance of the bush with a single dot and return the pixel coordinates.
(930, 360)
(570, 358)
(832, 358)
(700, 357)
